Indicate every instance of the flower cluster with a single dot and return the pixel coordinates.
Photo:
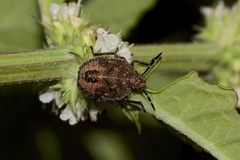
(66, 98)
(227, 70)
(64, 11)
(69, 101)
(216, 23)
(66, 27)
(109, 42)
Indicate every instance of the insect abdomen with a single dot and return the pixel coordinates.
(108, 79)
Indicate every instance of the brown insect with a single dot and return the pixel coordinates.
(112, 78)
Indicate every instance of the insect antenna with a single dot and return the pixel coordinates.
(149, 99)
(152, 65)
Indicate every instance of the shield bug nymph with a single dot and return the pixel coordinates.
(112, 78)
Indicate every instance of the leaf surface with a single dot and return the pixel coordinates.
(120, 16)
(204, 113)
(19, 27)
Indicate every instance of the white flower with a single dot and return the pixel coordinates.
(68, 115)
(108, 42)
(125, 52)
(94, 112)
(73, 9)
(64, 11)
(82, 114)
(49, 96)
(81, 111)
(217, 12)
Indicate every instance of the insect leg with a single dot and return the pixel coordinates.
(152, 64)
(149, 99)
(139, 103)
(100, 54)
(135, 103)
(141, 62)
(148, 63)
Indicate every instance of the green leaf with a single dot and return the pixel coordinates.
(118, 15)
(204, 113)
(19, 28)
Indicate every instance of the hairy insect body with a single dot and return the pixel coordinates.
(109, 78)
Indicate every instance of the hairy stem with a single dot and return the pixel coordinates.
(180, 57)
(35, 66)
(54, 64)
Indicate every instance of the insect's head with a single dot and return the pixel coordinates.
(138, 81)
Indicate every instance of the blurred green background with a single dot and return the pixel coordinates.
(29, 132)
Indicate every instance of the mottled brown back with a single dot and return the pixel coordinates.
(108, 78)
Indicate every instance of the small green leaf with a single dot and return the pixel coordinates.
(204, 113)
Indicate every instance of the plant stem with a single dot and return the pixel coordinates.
(35, 66)
(55, 64)
(180, 57)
